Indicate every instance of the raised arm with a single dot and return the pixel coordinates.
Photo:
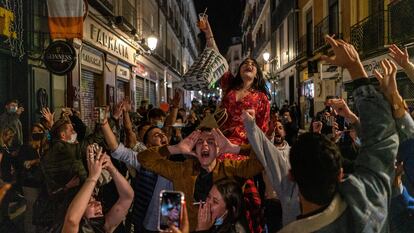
(79, 204)
(204, 26)
(402, 59)
(120, 209)
(131, 137)
(375, 164)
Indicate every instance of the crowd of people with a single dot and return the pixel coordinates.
(241, 164)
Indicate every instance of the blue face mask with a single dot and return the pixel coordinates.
(219, 221)
(358, 141)
(160, 124)
(47, 133)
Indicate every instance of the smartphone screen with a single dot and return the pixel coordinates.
(170, 209)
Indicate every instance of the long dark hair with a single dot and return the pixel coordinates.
(259, 83)
(232, 194)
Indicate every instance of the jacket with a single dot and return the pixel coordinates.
(184, 174)
(362, 201)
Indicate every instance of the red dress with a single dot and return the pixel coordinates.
(234, 130)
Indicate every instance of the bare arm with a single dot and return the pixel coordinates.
(131, 137)
(79, 204)
(119, 210)
(109, 136)
(210, 42)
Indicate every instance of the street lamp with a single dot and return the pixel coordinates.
(266, 56)
(152, 42)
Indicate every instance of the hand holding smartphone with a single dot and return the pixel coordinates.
(170, 213)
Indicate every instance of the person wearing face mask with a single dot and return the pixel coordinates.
(10, 118)
(31, 173)
(246, 90)
(195, 176)
(224, 210)
(63, 167)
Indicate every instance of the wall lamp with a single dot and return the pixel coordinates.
(266, 57)
(147, 45)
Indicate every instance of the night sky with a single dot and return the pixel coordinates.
(224, 17)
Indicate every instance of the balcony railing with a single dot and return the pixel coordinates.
(368, 35)
(321, 29)
(328, 26)
(401, 15)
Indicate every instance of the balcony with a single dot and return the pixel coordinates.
(401, 23)
(328, 26)
(368, 35)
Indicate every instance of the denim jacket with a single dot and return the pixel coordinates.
(361, 204)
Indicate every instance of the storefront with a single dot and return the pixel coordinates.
(91, 83)
(107, 61)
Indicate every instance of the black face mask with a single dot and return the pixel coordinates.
(38, 136)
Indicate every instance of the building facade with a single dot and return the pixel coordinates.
(233, 55)
(113, 60)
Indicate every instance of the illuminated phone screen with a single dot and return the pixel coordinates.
(170, 209)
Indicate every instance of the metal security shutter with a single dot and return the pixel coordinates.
(121, 87)
(152, 94)
(88, 94)
(139, 90)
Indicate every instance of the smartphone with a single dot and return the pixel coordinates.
(171, 203)
(101, 114)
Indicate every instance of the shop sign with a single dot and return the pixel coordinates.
(140, 70)
(60, 57)
(122, 72)
(92, 60)
(370, 65)
(6, 23)
(108, 41)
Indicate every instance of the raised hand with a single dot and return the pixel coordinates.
(118, 110)
(400, 57)
(346, 56)
(107, 163)
(387, 80)
(317, 127)
(248, 115)
(49, 116)
(175, 102)
(127, 106)
(224, 144)
(95, 161)
(186, 145)
(342, 109)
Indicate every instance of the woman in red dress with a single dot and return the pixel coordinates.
(247, 90)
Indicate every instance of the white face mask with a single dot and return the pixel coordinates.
(73, 138)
